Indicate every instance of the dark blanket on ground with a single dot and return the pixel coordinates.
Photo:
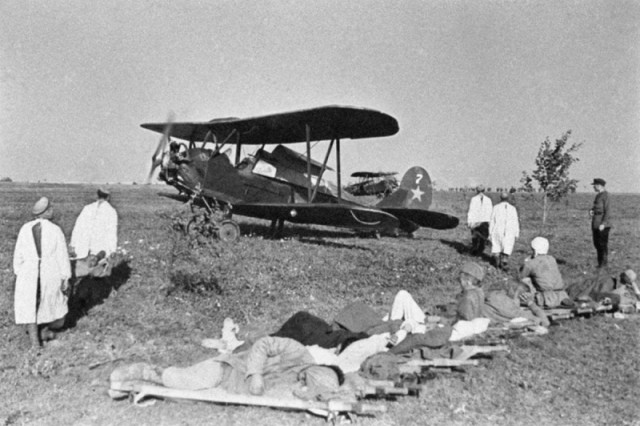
(595, 288)
(360, 318)
(311, 330)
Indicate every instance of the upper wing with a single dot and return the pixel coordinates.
(372, 174)
(330, 214)
(325, 123)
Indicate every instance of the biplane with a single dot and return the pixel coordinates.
(284, 185)
(380, 184)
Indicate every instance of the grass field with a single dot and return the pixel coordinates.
(584, 372)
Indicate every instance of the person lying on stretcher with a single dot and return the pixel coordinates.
(273, 365)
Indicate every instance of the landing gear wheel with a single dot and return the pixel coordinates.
(228, 231)
(200, 227)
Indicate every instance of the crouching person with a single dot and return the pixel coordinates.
(271, 365)
(622, 292)
(497, 306)
(41, 265)
(627, 289)
(540, 272)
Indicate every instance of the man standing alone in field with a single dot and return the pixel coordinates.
(601, 221)
(96, 229)
(41, 265)
(504, 228)
(478, 220)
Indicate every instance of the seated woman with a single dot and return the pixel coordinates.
(540, 272)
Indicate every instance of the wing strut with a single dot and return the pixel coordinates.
(324, 167)
(339, 171)
(238, 148)
(308, 137)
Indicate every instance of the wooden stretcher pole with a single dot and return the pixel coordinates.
(223, 397)
(416, 366)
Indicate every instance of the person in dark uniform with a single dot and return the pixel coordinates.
(601, 221)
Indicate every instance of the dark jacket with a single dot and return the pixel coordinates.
(601, 211)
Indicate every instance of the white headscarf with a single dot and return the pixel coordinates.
(540, 245)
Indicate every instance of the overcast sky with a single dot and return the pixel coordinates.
(476, 86)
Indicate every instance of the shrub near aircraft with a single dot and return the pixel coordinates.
(284, 185)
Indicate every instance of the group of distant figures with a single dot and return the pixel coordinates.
(511, 190)
(499, 225)
(43, 263)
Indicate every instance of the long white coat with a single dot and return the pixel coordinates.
(96, 229)
(54, 269)
(480, 209)
(504, 228)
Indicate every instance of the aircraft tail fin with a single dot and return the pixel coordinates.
(415, 191)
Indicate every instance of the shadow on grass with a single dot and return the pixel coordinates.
(464, 249)
(290, 231)
(325, 243)
(89, 292)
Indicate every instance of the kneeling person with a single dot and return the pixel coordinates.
(541, 273)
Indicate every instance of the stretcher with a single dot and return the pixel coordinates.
(585, 309)
(332, 410)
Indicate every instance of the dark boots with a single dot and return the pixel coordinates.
(32, 331)
(500, 261)
(603, 260)
(47, 334)
(504, 262)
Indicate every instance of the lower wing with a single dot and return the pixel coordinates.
(424, 218)
(330, 214)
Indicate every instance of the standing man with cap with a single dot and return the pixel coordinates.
(601, 221)
(504, 228)
(478, 218)
(41, 265)
(96, 229)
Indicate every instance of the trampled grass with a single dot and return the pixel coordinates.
(583, 372)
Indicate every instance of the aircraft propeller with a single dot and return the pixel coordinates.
(156, 158)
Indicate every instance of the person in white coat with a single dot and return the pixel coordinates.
(96, 229)
(42, 268)
(504, 229)
(478, 217)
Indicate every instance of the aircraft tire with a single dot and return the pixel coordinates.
(229, 231)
